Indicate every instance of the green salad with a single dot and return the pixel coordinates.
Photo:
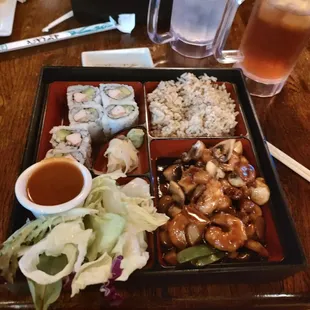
(84, 243)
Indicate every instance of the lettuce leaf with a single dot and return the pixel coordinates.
(132, 246)
(105, 196)
(31, 233)
(94, 272)
(143, 220)
(45, 295)
(107, 228)
(137, 188)
(67, 238)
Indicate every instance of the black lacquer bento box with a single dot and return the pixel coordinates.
(50, 109)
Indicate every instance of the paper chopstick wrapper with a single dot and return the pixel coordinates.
(126, 24)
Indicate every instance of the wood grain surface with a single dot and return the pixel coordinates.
(285, 120)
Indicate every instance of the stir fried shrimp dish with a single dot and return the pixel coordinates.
(213, 197)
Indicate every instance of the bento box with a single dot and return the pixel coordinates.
(159, 151)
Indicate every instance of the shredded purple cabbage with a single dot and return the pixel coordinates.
(108, 288)
(116, 267)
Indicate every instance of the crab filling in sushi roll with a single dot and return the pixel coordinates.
(71, 138)
(118, 93)
(86, 115)
(119, 111)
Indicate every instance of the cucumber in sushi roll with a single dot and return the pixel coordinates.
(89, 114)
(116, 94)
(81, 94)
(118, 117)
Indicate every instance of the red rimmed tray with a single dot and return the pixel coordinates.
(265, 271)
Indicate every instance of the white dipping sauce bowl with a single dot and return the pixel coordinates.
(40, 210)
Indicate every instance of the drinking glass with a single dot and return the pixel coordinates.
(276, 34)
(193, 25)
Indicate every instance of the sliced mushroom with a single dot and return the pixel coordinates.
(198, 192)
(246, 172)
(185, 157)
(211, 168)
(187, 181)
(206, 155)
(220, 174)
(260, 193)
(238, 148)
(233, 161)
(164, 203)
(196, 150)
(235, 180)
(187, 184)
(164, 238)
(223, 150)
(176, 231)
(171, 257)
(193, 234)
(177, 193)
(173, 172)
(173, 211)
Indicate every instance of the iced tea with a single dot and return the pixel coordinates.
(275, 36)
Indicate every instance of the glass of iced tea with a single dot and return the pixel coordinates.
(277, 32)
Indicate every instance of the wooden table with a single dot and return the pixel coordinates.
(285, 120)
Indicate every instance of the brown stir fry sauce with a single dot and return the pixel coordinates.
(212, 196)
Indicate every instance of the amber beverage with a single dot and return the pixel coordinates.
(275, 36)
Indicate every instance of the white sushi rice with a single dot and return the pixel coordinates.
(191, 107)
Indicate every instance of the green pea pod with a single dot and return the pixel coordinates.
(194, 252)
(206, 260)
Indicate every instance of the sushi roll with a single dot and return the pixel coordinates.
(82, 157)
(118, 117)
(74, 137)
(116, 94)
(89, 114)
(80, 94)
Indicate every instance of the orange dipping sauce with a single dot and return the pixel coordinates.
(56, 182)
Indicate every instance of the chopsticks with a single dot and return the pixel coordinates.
(289, 162)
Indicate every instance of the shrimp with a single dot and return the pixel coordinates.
(256, 247)
(176, 231)
(213, 198)
(229, 235)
